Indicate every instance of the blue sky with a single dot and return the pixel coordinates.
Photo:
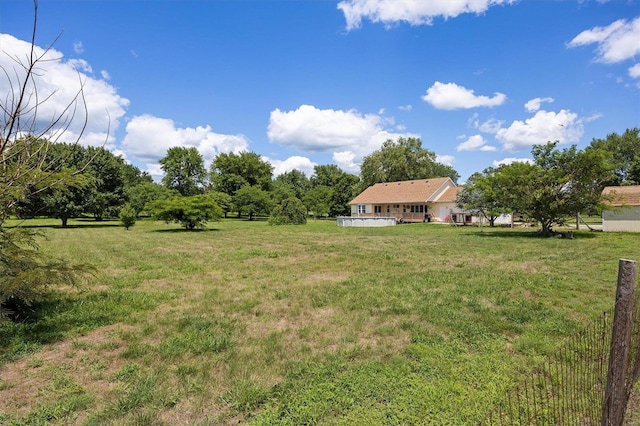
(310, 82)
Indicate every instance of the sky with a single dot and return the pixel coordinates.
(313, 82)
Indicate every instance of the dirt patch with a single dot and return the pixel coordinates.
(325, 277)
(88, 360)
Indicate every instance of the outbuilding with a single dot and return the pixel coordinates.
(622, 211)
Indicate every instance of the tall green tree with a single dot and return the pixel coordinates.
(67, 201)
(67, 197)
(290, 212)
(558, 185)
(184, 170)
(318, 201)
(252, 201)
(344, 187)
(481, 196)
(107, 185)
(295, 182)
(132, 175)
(145, 192)
(230, 172)
(625, 155)
(192, 212)
(404, 159)
(225, 201)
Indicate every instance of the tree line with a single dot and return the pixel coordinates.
(557, 184)
(103, 184)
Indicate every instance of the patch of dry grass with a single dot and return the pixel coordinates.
(248, 323)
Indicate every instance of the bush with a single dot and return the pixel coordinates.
(26, 274)
(192, 212)
(127, 217)
(290, 212)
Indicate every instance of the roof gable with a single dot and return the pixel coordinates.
(450, 195)
(408, 191)
(622, 195)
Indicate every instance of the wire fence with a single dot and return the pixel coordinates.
(569, 387)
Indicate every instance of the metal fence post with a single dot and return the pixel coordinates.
(615, 400)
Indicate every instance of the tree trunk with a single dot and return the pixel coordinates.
(64, 221)
(546, 229)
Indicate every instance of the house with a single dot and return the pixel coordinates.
(423, 200)
(623, 214)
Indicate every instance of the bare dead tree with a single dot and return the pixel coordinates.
(26, 169)
(25, 138)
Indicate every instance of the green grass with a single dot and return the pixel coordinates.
(315, 324)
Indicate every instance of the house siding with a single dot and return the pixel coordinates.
(408, 201)
(624, 213)
(397, 210)
(624, 219)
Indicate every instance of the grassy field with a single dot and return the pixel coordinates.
(315, 324)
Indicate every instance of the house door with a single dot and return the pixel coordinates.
(443, 213)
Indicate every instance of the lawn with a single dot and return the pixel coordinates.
(315, 324)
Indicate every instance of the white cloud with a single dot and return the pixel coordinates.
(346, 161)
(405, 107)
(310, 129)
(80, 65)
(534, 104)
(414, 12)
(492, 125)
(545, 126)
(511, 160)
(59, 81)
(295, 162)
(447, 160)
(475, 143)
(148, 138)
(451, 96)
(634, 71)
(592, 117)
(616, 42)
(78, 47)
(105, 75)
(155, 170)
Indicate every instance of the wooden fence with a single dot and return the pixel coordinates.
(589, 379)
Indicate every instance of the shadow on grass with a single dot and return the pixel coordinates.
(44, 322)
(246, 219)
(59, 316)
(51, 226)
(532, 234)
(185, 231)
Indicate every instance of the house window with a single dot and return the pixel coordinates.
(362, 208)
(377, 209)
(412, 208)
(388, 208)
